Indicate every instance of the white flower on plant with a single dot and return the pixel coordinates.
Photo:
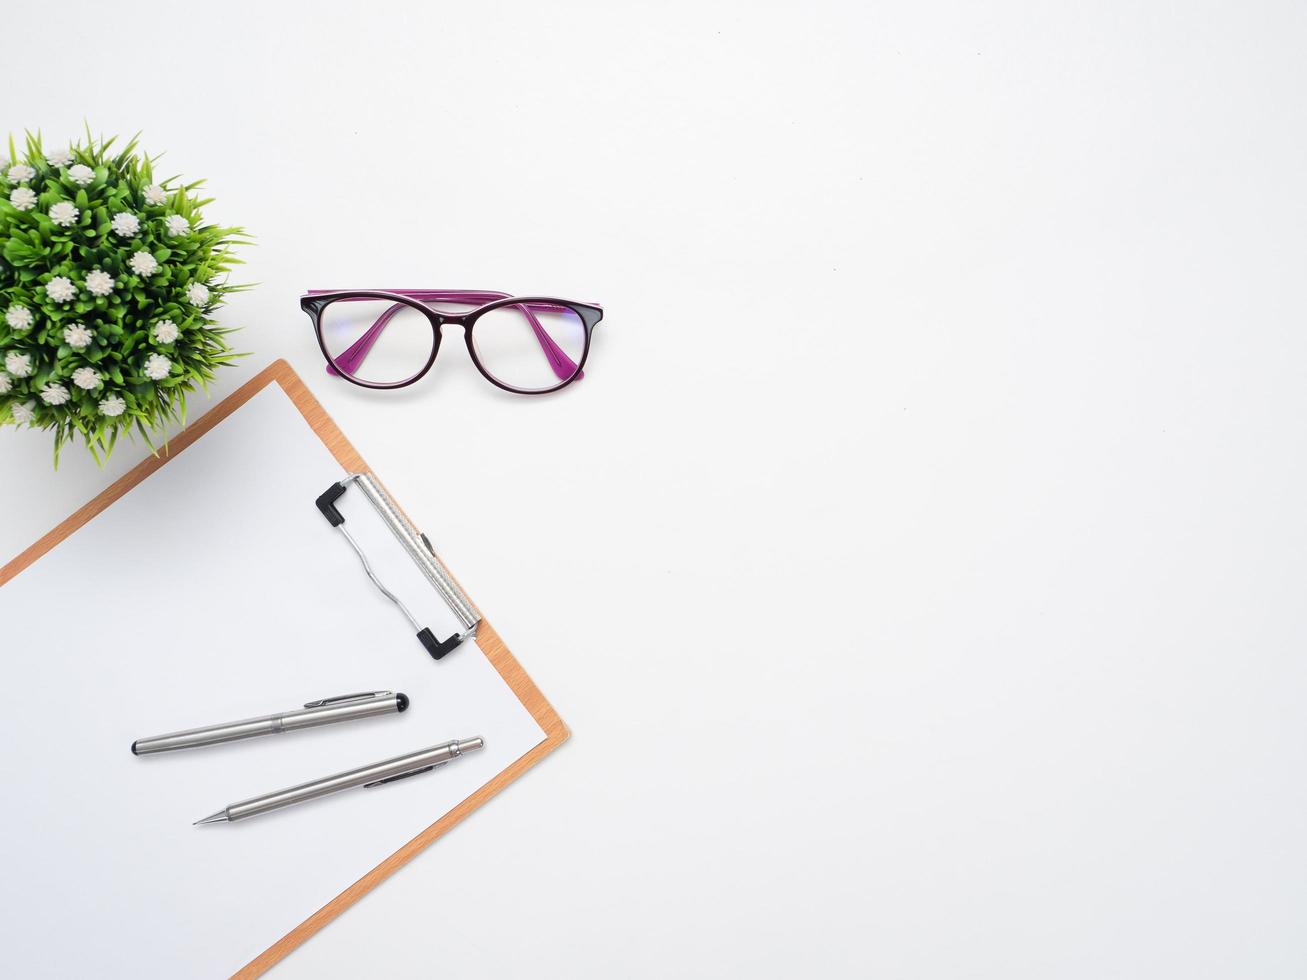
(20, 173)
(63, 213)
(125, 224)
(86, 378)
(19, 365)
(81, 174)
(100, 283)
(165, 332)
(176, 224)
(59, 158)
(155, 195)
(157, 367)
(23, 198)
(54, 394)
(60, 289)
(77, 336)
(5, 383)
(143, 263)
(197, 293)
(113, 406)
(19, 317)
(24, 414)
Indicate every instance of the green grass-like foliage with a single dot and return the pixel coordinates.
(45, 260)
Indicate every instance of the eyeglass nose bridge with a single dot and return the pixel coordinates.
(457, 319)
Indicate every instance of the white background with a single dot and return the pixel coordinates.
(919, 564)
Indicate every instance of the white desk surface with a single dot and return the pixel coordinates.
(919, 565)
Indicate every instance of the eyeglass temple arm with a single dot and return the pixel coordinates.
(563, 366)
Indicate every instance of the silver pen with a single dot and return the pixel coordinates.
(388, 771)
(328, 711)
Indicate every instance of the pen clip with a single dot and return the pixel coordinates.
(405, 775)
(345, 698)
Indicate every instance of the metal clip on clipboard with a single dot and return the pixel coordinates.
(418, 548)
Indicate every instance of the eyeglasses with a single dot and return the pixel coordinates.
(389, 338)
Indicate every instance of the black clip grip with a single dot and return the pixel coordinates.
(327, 504)
(437, 648)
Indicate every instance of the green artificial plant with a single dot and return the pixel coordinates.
(109, 282)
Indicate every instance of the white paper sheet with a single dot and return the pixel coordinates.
(211, 592)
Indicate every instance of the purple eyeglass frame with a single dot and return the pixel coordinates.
(314, 301)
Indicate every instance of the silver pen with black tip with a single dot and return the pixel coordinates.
(400, 767)
(328, 711)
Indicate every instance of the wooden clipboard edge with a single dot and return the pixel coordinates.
(556, 732)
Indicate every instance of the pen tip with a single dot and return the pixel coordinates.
(218, 817)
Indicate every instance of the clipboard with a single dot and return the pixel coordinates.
(280, 375)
